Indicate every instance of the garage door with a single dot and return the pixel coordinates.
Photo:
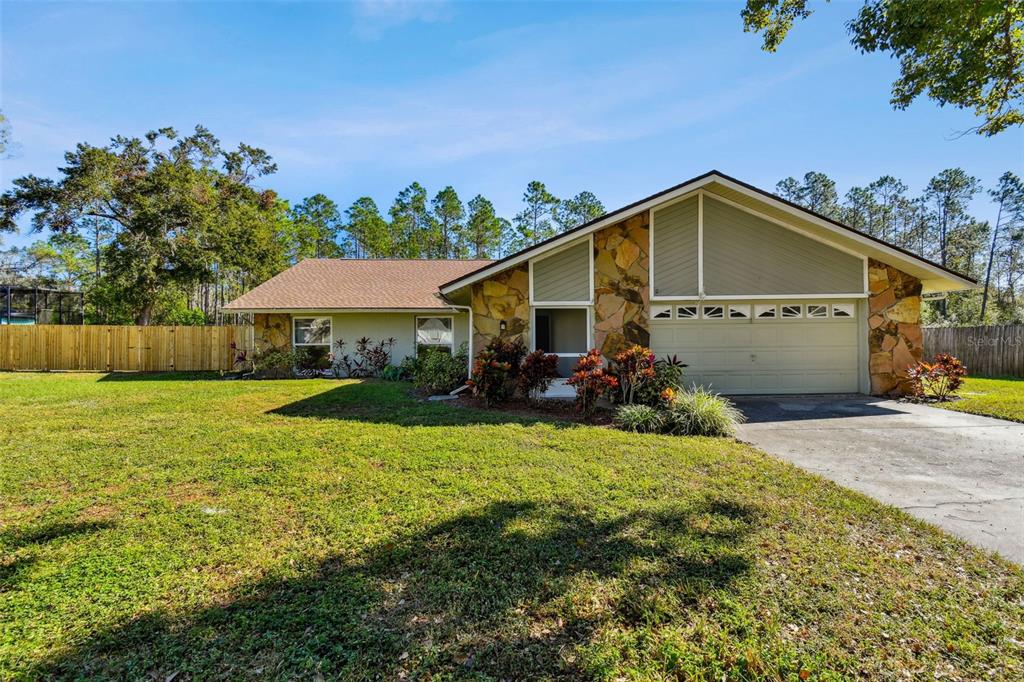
(762, 347)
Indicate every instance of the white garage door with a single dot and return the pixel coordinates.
(762, 347)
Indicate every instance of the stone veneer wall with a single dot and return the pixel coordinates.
(272, 330)
(621, 291)
(894, 327)
(505, 297)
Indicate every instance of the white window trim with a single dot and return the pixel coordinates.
(590, 271)
(725, 312)
(696, 310)
(699, 193)
(783, 316)
(330, 333)
(745, 308)
(566, 306)
(664, 308)
(807, 311)
(416, 331)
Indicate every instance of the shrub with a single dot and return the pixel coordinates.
(437, 371)
(511, 351)
(668, 378)
(698, 412)
(408, 367)
(939, 379)
(369, 360)
(536, 373)
(491, 378)
(271, 363)
(640, 418)
(591, 381)
(496, 368)
(312, 359)
(633, 369)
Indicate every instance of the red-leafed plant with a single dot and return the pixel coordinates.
(633, 368)
(536, 373)
(591, 381)
(939, 379)
(490, 377)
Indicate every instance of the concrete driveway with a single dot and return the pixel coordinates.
(959, 471)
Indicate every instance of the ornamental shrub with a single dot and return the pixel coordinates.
(495, 369)
(438, 371)
(668, 378)
(591, 381)
(633, 368)
(640, 418)
(491, 377)
(536, 373)
(698, 412)
(939, 379)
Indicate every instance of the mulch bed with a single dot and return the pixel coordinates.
(564, 410)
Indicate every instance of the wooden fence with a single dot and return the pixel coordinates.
(120, 349)
(987, 351)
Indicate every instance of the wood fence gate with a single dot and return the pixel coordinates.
(120, 349)
(996, 350)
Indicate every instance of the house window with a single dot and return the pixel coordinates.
(764, 311)
(562, 331)
(686, 312)
(434, 332)
(817, 311)
(739, 312)
(842, 310)
(311, 331)
(714, 312)
(661, 312)
(791, 311)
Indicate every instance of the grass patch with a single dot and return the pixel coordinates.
(1000, 397)
(285, 529)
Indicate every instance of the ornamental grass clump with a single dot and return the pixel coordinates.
(640, 418)
(698, 412)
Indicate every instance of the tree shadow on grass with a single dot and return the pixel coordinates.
(511, 590)
(13, 568)
(383, 402)
(130, 377)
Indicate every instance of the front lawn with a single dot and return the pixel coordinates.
(1002, 398)
(177, 528)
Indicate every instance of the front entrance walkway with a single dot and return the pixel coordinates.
(560, 390)
(962, 472)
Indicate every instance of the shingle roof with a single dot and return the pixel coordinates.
(331, 283)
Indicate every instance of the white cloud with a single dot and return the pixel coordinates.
(373, 17)
(523, 97)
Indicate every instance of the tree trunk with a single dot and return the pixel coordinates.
(145, 315)
(988, 270)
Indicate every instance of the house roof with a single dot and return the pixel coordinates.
(935, 276)
(356, 284)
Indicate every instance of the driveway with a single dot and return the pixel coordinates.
(962, 472)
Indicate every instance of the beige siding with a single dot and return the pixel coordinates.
(351, 327)
(745, 254)
(675, 249)
(564, 276)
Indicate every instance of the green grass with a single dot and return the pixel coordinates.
(1002, 398)
(153, 526)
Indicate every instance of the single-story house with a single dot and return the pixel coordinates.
(754, 293)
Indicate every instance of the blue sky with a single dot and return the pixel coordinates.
(362, 98)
